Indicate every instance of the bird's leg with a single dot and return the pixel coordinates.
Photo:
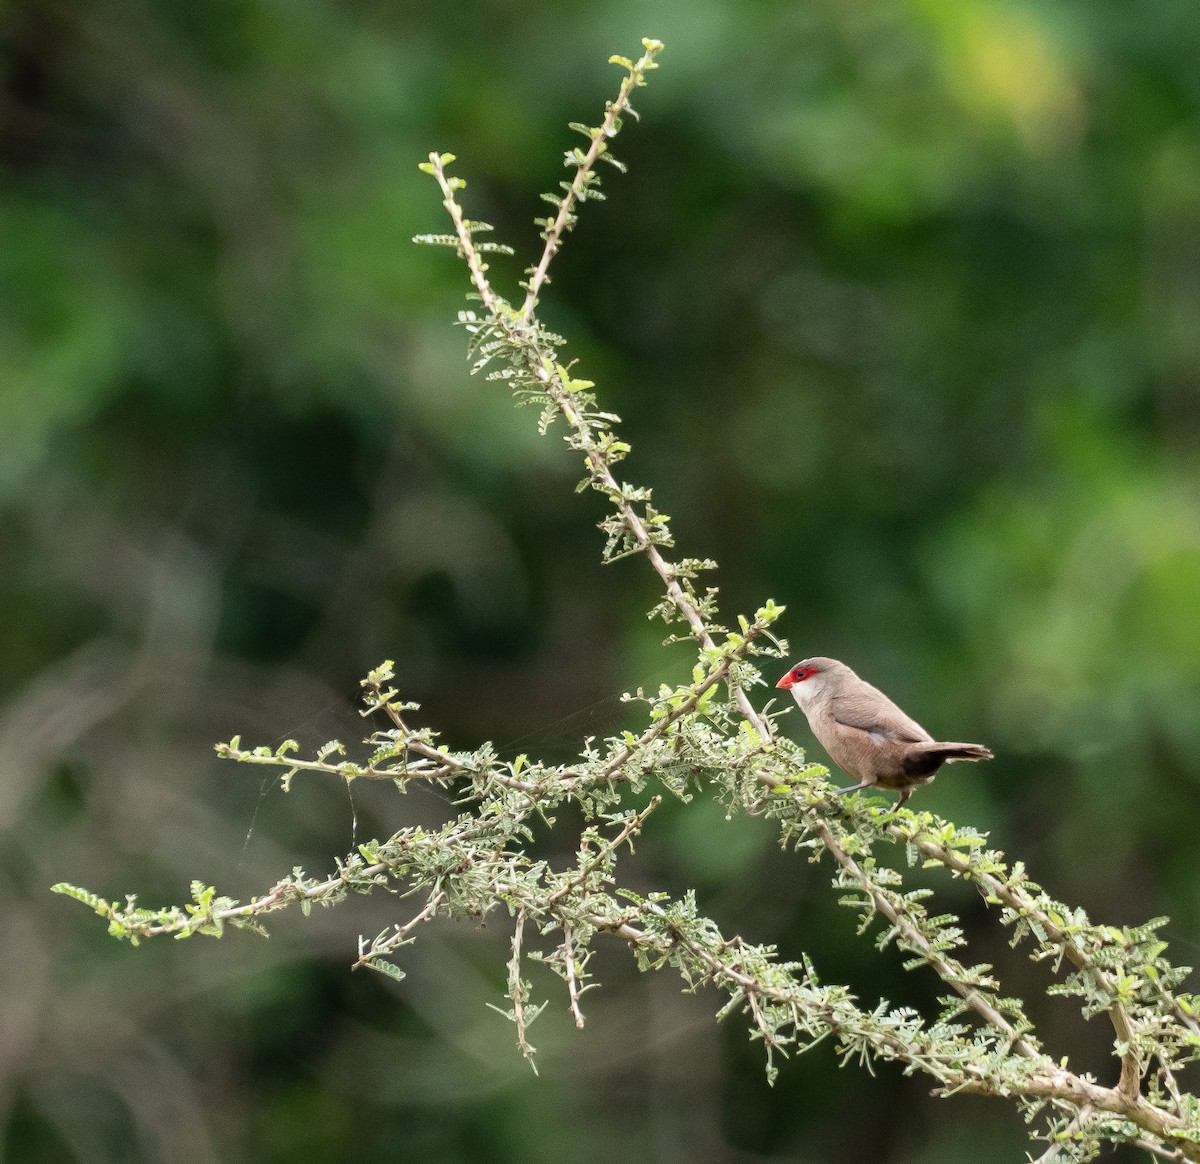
(904, 795)
(853, 788)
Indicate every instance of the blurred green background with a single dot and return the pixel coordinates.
(901, 305)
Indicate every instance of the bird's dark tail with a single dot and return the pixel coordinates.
(925, 759)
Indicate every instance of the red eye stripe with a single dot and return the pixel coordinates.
(794, 676)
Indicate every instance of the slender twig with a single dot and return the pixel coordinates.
(397, 939)
(606, 131)
(568, 952)
(1155, 1148)
(633, 826)
(516, 988)
(410, 771)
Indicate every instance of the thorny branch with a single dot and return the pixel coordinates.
(477, 862)
(540, 364)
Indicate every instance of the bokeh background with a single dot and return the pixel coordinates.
(900, 302)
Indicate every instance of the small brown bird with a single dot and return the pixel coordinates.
(867, 735)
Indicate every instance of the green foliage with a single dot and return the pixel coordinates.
(708, 737)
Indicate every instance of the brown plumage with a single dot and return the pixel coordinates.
(865, 733)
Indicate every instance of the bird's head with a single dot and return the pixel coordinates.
(811, 678)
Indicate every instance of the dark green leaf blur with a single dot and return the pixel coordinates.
(900, 303)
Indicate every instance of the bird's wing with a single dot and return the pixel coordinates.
(876, 715)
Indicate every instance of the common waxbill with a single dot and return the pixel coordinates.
(867, 735)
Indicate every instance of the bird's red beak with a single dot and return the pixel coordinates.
(787, 682)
